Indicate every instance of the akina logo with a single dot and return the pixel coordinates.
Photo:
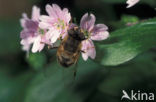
(137, 95)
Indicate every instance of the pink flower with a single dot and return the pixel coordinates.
(38, 45)
(131, 3)
(31, 33)
(27, 43)
(30, 26)
(56, 23)
(93, 32)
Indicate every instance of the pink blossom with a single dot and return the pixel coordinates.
(30, 26)
(27, 43)
(56, 23)
(31, 33)
(93, 32)
(38, 45)
(131, 3)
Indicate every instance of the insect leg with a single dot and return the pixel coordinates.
(76, 65)
(82, 51)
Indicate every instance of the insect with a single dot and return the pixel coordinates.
(69, 50)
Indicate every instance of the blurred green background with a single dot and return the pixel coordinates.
(126, 61)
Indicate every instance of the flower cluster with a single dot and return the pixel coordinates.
(131, 3)
(41, 30)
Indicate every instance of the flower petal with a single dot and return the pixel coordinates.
(26, 43)
(46, 39)
(100, 28)
(57, 10)
(50, 11)
(26, 47)
(89, 49)
(84, 49)
(87, 22)
(54, 11)
(131, 3)
(35, 13)
(44, 25)
(47, 19)
(41, 47)
(53, 35)
(46, 22)
(85, 56)
(23, 20)
(84, 46)
(30, 29)
(25, 34)
(99, 32)
(31, 25)
(36, 45)
(66, 16)
(83, 20)
(100, 36)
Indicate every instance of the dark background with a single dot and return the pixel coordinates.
(40, 78)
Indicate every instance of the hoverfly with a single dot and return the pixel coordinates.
(69, 50)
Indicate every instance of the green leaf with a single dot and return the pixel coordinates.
(125, 44)
(136, 75)
(126, 20)
(12, 87)
(58, 84)
(129, 19)
(37, 60)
